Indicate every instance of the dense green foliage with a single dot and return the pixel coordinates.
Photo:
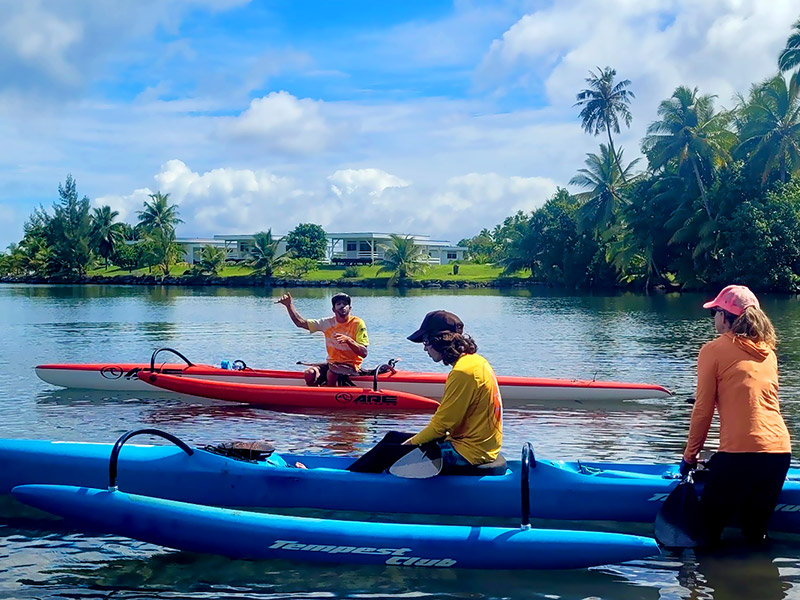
(298, 267)
(719, 201)
(307, 240)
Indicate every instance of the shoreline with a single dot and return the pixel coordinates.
(250, 281)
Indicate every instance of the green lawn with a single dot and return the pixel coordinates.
(466, 272)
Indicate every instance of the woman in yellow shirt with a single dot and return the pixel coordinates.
(737, 374)
(468, 425)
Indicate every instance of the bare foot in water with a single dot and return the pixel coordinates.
(300, 465)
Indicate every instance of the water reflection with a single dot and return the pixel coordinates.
(735, 572)
(201, 576)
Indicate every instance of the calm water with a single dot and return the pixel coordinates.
(623, 337)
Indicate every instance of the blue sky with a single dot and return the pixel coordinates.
(425, 117)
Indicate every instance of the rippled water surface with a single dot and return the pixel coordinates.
(542, 333)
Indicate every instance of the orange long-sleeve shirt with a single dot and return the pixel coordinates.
(740, 378)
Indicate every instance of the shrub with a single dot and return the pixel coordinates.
(351, 271)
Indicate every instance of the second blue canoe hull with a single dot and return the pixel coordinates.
(245, 535)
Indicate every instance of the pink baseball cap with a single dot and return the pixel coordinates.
(734, 299)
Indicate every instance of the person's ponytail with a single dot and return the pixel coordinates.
(452, 345)
(754, 324)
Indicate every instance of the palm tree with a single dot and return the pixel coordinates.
(789, 57)
(212, 259)
(402, 258)
(605, 182)
(522, 250)
(105, 235)
(770, 126)
(159, 219)
(37, 255)
(604, 103)
(159, 214)
(15, 262)
(263, 255)
(690, 132)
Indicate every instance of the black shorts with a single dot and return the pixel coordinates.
(742, 489)
(343, 370)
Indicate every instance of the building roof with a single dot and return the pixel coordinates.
(241, 237)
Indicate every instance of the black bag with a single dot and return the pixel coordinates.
(679, 523)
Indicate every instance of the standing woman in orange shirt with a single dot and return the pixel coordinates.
(737, 373)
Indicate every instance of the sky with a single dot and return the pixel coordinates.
(415, 117)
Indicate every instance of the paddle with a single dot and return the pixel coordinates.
(419, 463)
(679, 523)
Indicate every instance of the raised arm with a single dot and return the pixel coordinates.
(286, 300)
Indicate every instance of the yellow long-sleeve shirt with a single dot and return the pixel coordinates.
(739, 378)
(471, 412)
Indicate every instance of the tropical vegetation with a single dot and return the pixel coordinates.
(307, 240)
(714, 198)
(402, 259)
(264, 258)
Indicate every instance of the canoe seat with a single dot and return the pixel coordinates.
(496, 467)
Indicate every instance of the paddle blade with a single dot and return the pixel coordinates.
(679, 523)
(417, 464)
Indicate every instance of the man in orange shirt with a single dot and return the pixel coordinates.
(737, 374)
(345, 339)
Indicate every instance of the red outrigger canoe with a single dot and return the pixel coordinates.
(286, 396)
(120, 377)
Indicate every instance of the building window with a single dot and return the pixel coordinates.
(451, 256)
(351, 246)
(364, 247)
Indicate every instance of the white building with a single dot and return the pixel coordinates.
(192, 247)
(238, 247)
(343, 248)
(368, 248)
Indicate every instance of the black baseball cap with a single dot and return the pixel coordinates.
(341, 297)
(436, 321)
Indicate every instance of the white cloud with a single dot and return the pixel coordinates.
(455, 208)
(468, 203)
(366, 182)
(227, 200)
(50, 49)
(40, 40)
(284, 123)
(719, 45)
(127, 206)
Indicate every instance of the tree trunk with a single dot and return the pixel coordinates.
(614, 152)
(783, 167)
(702, 188)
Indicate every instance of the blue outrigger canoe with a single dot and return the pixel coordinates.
(247, 535)
(558, 490)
